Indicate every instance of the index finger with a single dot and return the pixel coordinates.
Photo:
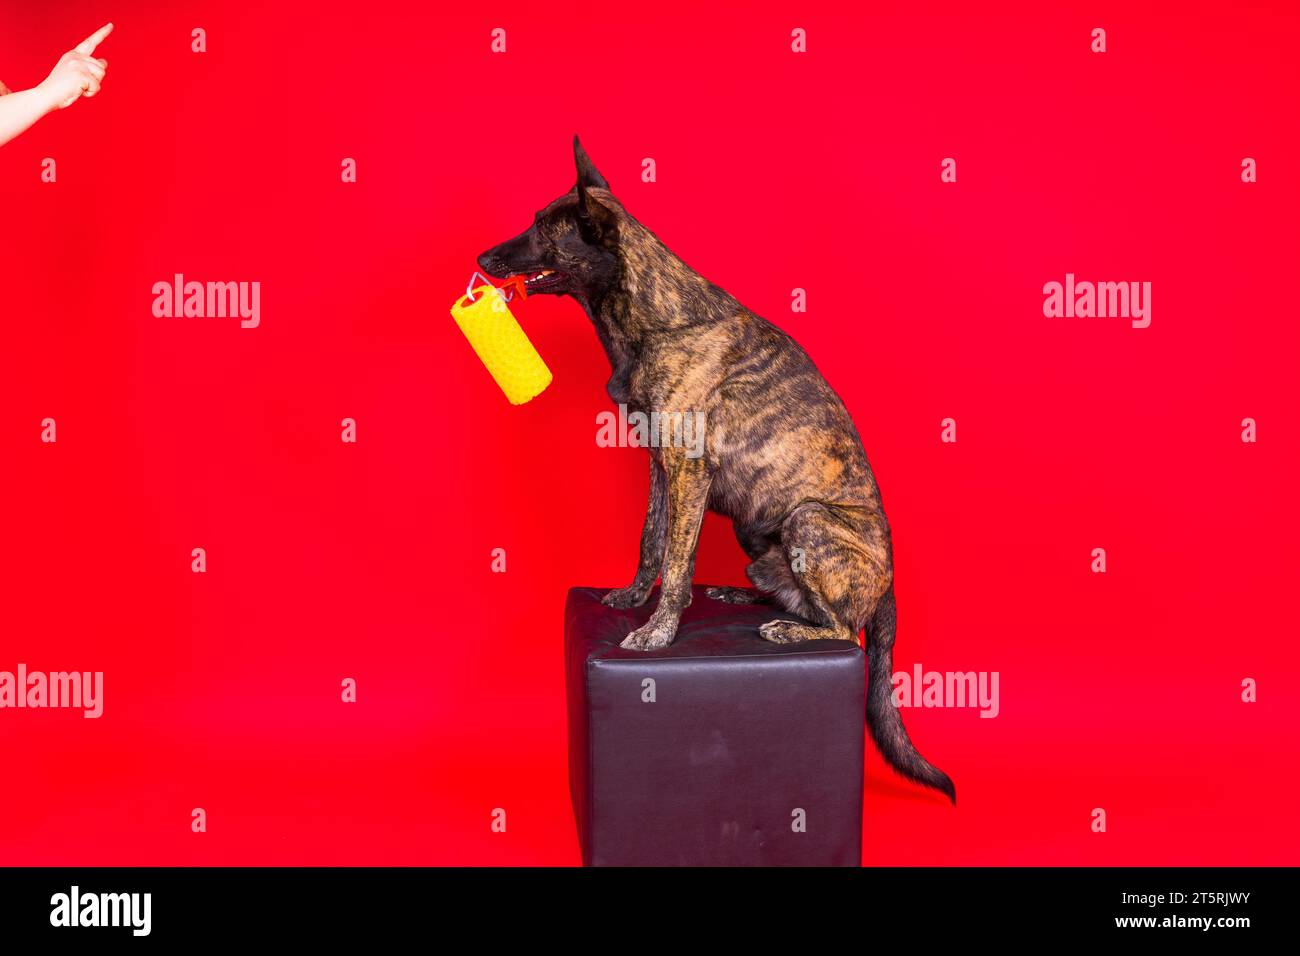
(87, 46)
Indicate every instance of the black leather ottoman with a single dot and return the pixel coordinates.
(749, 754)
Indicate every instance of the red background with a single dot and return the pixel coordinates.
(775, 171)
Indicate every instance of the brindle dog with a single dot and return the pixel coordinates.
(781, 457)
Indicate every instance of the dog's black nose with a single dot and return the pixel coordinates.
(486, 261)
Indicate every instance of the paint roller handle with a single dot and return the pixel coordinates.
(509, 288)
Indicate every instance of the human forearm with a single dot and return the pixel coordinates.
(78, 73)
(20, 110)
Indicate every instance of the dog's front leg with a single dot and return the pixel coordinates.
(688, 494)
(652, 544)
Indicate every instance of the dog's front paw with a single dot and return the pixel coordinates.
(630, 596)
(647, 637)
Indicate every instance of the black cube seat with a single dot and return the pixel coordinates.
(721, 750)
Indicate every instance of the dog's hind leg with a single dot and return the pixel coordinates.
(755, 546)
(777, 583)
(774, 576)
(840, 566)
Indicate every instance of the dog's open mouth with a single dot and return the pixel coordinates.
(543, 280)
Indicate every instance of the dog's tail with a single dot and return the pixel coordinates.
(883, 720)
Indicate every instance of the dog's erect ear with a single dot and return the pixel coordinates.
(587, 174)
(595, 219)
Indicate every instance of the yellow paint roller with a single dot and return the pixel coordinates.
(501, 344)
